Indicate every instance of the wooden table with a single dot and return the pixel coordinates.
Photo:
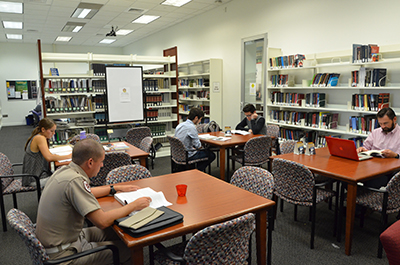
(236, 139)
(348, 171)
(133, 151)
(208, 201)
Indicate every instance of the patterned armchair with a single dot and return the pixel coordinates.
(273, 131)
(179, 155)
(112, 160)
(390, 239)
(385, 201)
(295, 184)
(225, 243)
(258, 181)
(287, 147)
(9, 185)
(92, 136)
(127, 173)
(255, 152)
(135, 137)
(26, 230)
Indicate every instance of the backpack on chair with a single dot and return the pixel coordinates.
(212, 126)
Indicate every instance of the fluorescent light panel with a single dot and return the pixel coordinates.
(107, 41)
(11, 7)
(177, 3)
(123, 32)
(61, 38)
(73, 27)
(14, 36)
(86, 10)
(12, 25)
(77, 29)
(145, 19)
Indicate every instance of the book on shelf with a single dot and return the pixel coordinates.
(54, 72)
(383, 101)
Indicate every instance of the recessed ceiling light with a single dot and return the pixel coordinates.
(86, 10)
(73, 26)
(12, 25)
(177, 3)
(124, 32)
(145, 19)
(107, 41)
(14, 36)
(11, 7)
(66, 39)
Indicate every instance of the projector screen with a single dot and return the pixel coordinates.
(124, 88)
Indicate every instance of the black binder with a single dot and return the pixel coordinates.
(169, 218)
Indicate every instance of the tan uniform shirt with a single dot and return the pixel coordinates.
(65, 202)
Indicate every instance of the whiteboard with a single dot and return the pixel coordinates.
(124, 88)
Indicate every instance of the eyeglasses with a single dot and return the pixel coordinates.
(249, 115)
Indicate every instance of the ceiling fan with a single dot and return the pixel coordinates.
(112, 32)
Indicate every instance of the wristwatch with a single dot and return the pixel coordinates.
(112, 190)
(398, 156)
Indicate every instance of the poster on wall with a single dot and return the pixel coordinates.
(22, 90)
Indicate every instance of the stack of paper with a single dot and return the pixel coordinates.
(62, 151)
(240, 132)
(157, 198)
(207, 137)
(119, 146)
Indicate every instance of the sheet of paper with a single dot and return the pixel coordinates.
(157, 198)
(240, 132)
(61, 150)
(207, 137)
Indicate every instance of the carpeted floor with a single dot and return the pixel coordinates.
(290, 239)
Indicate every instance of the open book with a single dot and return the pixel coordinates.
(157, 198)
(240, 132)
(375, 153)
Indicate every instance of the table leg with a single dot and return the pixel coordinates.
(137, 256)
(350, 212)
(222, 163)
(142, 161)
(261, 237)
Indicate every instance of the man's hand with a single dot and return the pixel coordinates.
(125, 188)
(254, 116)
(361, 149)
(389, 153)
(141, 203)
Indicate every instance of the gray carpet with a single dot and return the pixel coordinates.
(290, 239)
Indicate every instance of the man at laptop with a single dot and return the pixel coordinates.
(386, 138)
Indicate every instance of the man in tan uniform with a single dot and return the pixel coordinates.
(68, 199)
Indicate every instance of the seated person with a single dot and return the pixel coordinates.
(187, 133)
(68, 199)
(252, 122)
(386, 138)
(37, 154)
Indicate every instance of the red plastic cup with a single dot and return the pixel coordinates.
(181, 189)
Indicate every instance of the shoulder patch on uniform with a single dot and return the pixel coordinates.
(86, 186)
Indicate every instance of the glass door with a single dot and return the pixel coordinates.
(253, 83)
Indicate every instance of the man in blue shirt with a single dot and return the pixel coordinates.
(187, 133)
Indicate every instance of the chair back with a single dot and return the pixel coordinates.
(112, 160)
(6, 169)
(225, 243)
(272, 130)
(393, 189)
(146, 143)
(24, 227)
(292, 181)
(390, 239)
(77, 138)
(254, 179)
(178, 150)
(135, 135)
(127, 173)
(257, 150)
(287, 147)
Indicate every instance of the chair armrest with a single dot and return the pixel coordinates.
(19, 175)
(17, 164)
(169, 254)
(330, 181)
(113, 248)
(371, 189)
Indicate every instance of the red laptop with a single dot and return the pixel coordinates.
(344, 148)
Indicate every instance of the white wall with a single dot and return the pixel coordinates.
(21, 62)
(305, 26)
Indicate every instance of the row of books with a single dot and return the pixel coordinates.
(153, 100)
(194, 82)
(203, 94)
(157, 129)
(370, 102)
(68, 104)
(363, 124)
(99, 103)
(282, 80)
(152, 115)
(99, 86)
(100, 69)
(100, 118)
(155, 84)
(325, 80)
(318, 138)
(369, 77)
(287, 61)
(321, 120)
(365, 53)
(186, 108)
(286, 99)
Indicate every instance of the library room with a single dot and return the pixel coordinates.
(153, 124)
